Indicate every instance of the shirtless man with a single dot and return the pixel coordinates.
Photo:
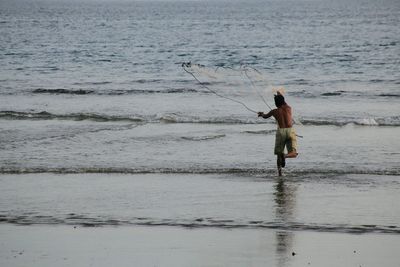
(285, 134)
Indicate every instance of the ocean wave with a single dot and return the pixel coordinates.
(57, 91)
(389, 95)
(164, 118)
(366, 121)
(341, 93)
(86, 221)
(362, 121)
(261, 132)
(180, 118)
(93, 83)
(44, 115)
(264, 172)
(203, 138)
(62, 91)
(308, 94)
(334, 93)
(177, 118)
(149, 91)
(188, 90)
(147, 81)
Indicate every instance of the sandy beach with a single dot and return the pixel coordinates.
(174, 246)
(198, 220)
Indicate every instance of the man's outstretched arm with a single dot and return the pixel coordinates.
(266, 116)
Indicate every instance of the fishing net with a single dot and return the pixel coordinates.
(244, 85)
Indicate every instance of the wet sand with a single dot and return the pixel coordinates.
(175, 246)
(199, 220)
(344, 203)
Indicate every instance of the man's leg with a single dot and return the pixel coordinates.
(279, 151)
(292, 145)
(279, 158)
(279, 165)
(283, 162)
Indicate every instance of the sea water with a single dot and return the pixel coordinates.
(98, 87)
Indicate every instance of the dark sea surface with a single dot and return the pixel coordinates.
(98, 87)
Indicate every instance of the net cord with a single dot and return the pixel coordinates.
(185, 67)
(245, 70)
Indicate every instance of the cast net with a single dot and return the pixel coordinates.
(244, 85)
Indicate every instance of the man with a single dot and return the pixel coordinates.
(285, 134)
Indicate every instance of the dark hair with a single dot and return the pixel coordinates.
(279, 100)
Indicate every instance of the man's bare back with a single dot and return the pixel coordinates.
(282, 115)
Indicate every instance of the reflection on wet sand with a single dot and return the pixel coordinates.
(285, 202)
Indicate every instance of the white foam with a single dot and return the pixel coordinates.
(368, 121)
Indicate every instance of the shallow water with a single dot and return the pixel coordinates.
(99, 88)
(346, 203)
(128, 147)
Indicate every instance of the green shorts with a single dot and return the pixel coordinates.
(285, 137)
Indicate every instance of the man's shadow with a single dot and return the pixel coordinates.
(285, 205)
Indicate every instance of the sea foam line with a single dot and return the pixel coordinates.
(58, 91)
(199, 170)
(83, 220)
(178, 118)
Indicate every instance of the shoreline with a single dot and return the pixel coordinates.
(243, 220)
(60, 245)
(294, 203)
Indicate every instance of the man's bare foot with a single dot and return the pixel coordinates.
(292, 154)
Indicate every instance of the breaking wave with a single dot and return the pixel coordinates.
(366, 121)
(178, 118)
(265, 172)
(335, 93)
(44, 115)
(203, 138)
(62, 91)
(86, 221)
(338, 93)
(265, 132)
(389, 95)
(112, 92)
(187, 90)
